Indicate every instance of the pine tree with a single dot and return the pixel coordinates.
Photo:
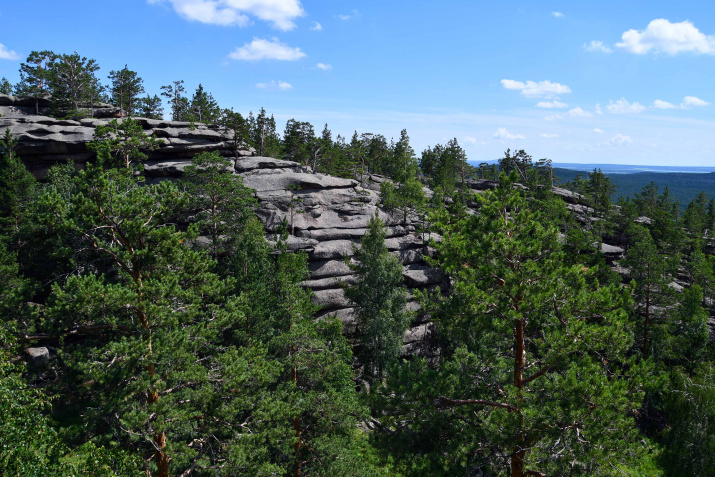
(72, 79)
(689, 329)
(190, 370)
(149, 310)
(520, 162)
(404, 192)
(29, 446)
(377, 152)
(203, 107)
(529, 383)
(651, 273)
(5, 87)
(446, 166)
(298, 141)
(220, 204)
(695, 218)
(263, 135)
(150, 107)
(17, 187)
(122, 143)
(35, 76)
(379, 302)
(599, 190)
(690, 439)
(178, 103)
(235, 130)
(710, 223)
(125, 88)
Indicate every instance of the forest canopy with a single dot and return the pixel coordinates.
(157, 327)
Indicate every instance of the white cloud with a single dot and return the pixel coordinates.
(502, 133)
(260, 49)
(273, 85)
(693, 101)
(618, 140)
(553, 117)
(551, 104)
(348, 16)
(622, 106)
(316, 26)
(548, 136)
(531, 89)
(661, 36)
(659, 104)
(280, 13)
(6, 54)
(469, 139)
(688, 102)
(597, 46)
(598, 131)
(557, 14)
(324, 66)
(598, 109)
(580, 113)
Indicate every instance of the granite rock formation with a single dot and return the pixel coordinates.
(326, 215)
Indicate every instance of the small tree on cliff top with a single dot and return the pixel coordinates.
(122, 143)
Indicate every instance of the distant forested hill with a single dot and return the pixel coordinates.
(683, 186)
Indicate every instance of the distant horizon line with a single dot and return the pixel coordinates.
(622, 168)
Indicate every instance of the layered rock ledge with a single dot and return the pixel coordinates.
(326, 215)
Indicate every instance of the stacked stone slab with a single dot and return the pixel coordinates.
(46, 141)
(326, 215)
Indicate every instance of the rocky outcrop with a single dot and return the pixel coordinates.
(16, 106)
(326, 215)
(46, 141)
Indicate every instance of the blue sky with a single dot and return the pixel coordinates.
(574, 81)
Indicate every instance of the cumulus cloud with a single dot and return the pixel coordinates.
(551, 104)
(693, 101)
(316, 26)
(557, 14)
(579, 113)
(598, 131)
(659, 104)
(622, 106)
(324, 66)
(469, 139)
(548, 136)
(532, 89)
(279, 13)
(618, 140)
(598, 109)
(687, 103)
(553, 117)
(348, 16)
(260, 49)
(502, 133)
(662, 36)
(597, 46)
(274, 85)
(6, 54)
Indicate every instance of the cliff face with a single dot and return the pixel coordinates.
(326, 215)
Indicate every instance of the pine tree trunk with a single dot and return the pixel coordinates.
(518, 452)
(646, 323)
(296, 424)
